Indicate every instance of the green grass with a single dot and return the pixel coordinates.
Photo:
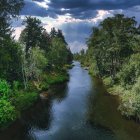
(24, 100)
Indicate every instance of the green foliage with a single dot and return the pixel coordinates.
(136, 87)
(130, 71)
(58, 54)
(24, 100)
(110, 44)
(113, 54)
(107, 81)
(7, 113)
(10, 60)
(4, 89)
(31, 35)
(51, 79)
(130, 104)
(56, 78)
(9, 57)
(93, 69)
(12, 102)
(16, 85)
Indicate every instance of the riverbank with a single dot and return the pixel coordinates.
(21, 100)
(126, 85)
(129, 99)
(104, 111)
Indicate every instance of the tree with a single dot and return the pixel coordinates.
(53, 33)
(112, 42)
(9, 54)
(45, 41)
(33, 65)
(60, 35)
(58, 54)
(31, 35)
(8, 9)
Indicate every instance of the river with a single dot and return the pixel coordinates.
(73, 113)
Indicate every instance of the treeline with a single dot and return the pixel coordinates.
(30, 65)
(114, 55)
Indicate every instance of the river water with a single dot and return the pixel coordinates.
(66, 116)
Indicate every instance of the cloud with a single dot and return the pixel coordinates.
(85, 9)
(34, 9)
(76, 17)
(80, 9)
(17, 32)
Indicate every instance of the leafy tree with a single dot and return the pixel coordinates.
(130, 71)
(112, 42)
(60, 35)
(34, 65)
(10, 60)
(58, 54)
(8, 9)
(31, 35)
(53, 33)
(9, 57)
(45, 41)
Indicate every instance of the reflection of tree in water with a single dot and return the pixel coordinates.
(59, 91)
(94, 99)
(38, 117)
(41, 116)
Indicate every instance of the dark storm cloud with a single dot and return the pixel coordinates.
(93, 4)
(33, 9)
(86, 8)
(82, 9)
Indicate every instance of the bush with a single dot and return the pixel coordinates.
(7, 113)
(130, 71)
(55, 78)
(130, 104)
(93, 69)
(136, 87)
(22, 101)
(4, 89)
(107, 81)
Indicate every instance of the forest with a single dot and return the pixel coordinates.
(114, 55)
(30, 65)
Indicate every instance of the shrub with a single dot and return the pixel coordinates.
(7, 113)
(130, 71)
(93, 69)
(136, 87)
(130, 104)
(4, 89)
(22, 101)
(107, 81)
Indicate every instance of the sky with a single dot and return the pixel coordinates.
(75, 17)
